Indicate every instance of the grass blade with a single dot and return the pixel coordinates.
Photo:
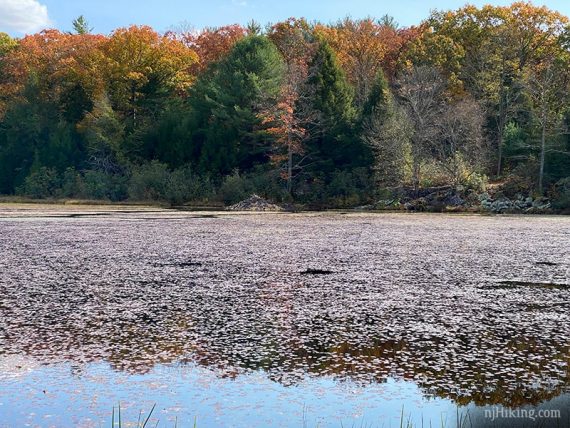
(149, 415)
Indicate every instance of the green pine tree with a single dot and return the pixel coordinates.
(81, 26)
(336, 146)
(227, 102)
(379, 102)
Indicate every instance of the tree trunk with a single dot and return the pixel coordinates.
(501, 131)
(542, 152)
(500, 148)
(133, 102)
(416, 176)
(503, 111)
(289, 166)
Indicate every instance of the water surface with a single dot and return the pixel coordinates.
(280, 319)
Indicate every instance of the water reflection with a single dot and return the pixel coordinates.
(524, 373)
(400, 301)
(82, 396)
(185, 393)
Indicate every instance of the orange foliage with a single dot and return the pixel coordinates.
(213, 43)
(363, 47)
(133, 55)
(294, 39)
(55, 57)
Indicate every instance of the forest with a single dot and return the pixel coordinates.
(325, 115)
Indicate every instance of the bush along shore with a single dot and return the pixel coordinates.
(497, 200)
(450, 199)
(154, 183)
(444, 199)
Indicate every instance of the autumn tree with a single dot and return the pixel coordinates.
(363, 47)
(499, 45)
(547, 85)
(141, 68)
(7, 45)
(386, 130)
(50, 78)
(461, 147)
(309, 108)
(61, 62)
(289, 122)
(425, 124)
(292, 118)
(436, 51)
(421, 93)
(212, 44)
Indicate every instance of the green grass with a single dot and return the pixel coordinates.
(463, 420)
(117, 420)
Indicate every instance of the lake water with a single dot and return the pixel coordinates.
(285, 320)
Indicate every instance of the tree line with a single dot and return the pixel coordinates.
(327, 115)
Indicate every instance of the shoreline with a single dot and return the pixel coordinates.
(76, 204)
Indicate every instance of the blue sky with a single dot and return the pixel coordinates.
(18, 17)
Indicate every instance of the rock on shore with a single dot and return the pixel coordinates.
(519, 204)
(458, 199)
(255, 203)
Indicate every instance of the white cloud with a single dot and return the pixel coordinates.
(23, 16)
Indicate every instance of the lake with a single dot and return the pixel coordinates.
(288, 320)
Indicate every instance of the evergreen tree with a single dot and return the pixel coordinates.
(20, 133)
(384, 128)
(379, 101)
(332, 95)
(104, 133)
(168, 139)
(227, 102)
(33, 134)
(335, 145)
(81, 26)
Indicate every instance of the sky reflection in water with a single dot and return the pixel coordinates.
(85, 397)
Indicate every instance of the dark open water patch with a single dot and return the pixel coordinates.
(317, 272)
(178, 264)
(547, 285)
(88, 304)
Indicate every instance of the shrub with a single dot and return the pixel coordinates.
(149, 182)
(185, 186)
(267, 184)
(349, 188)
(155, 182)
(234, 188)
(477, 182)
(433, 174)
(100, 185)
(40, 184)
(560, 194)
(72, 184)
(516, 184)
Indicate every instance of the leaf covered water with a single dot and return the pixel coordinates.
(439, 300)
